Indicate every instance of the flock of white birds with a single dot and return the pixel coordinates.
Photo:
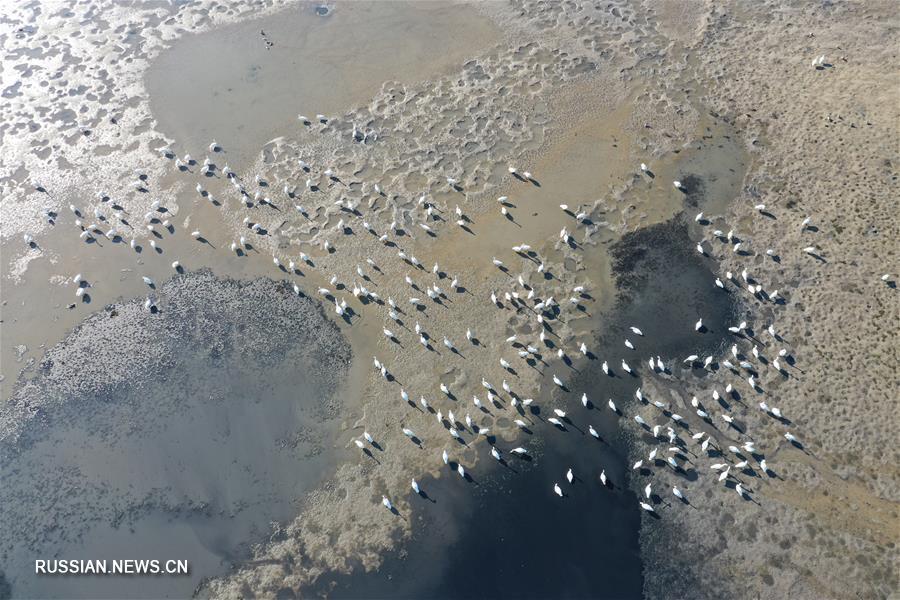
(746, 361)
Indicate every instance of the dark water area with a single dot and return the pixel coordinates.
(507, 534)
(665, 286)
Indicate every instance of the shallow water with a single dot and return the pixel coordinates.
(193, 457)
(505, 533)
(229, 85)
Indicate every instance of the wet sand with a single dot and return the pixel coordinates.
(594, 92)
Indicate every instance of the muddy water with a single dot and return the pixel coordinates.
(242, 85)
(180, 434)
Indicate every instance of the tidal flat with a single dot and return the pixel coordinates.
(614, 292)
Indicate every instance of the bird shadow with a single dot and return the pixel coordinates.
(368, 453)
(424, 495)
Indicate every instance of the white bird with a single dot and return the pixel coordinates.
(147, 280)
(519, 451)
(791, 438)
(461, 471)
(648, 490)
(584, 399)
(677, 184)
(612, 405)
(636, 331)
(570, 476)
(387, 503)
(626, 367)
(415, 486)
(698, 325)
(637, 465)
(359, 444)
(445, 457)
(677, 493)
(557, 489)
(603, 476)
(408, 432)
(495, 453)
(647, 507)
(558, 381)
(593, 431)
